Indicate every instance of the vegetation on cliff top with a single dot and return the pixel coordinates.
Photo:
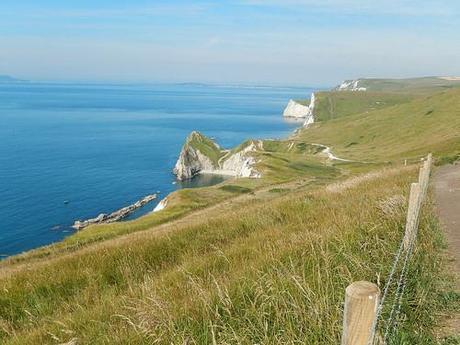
(424, 85)
(206, 146)
(397, 132)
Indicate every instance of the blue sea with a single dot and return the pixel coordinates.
(102, 147)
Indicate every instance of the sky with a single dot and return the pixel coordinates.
(289, 42)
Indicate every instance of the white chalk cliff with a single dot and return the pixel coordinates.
(161, 205)
(300, 111)
(201, 155)
(350, 85)
(294, 109)
(191, 160)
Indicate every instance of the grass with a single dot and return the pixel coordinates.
(206, 146)
(251, 261)
(404, 131)
(180, 204)
(425, 85)
(263, 273)
(332, 105)
(236, 189)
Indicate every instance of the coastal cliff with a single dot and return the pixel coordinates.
(294, 109)
(198, 153)
(350, 85)
(300, 111)
(201, 155)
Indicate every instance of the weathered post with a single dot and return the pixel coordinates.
(360, 312)
(412, 213)
(426, 174)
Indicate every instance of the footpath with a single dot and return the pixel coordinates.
(447, 196)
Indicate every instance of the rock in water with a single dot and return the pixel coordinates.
(114, 216)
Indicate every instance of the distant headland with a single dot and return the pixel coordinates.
(9, 79)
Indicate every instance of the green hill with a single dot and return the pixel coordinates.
(408, 85)
(397, 131)
(256, 261)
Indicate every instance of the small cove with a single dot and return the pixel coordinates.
(72, 151)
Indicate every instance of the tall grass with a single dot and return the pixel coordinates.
(265, 273)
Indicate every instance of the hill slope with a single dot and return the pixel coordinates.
(409, 85)
(408, 130)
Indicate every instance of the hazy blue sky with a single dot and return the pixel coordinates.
(257, 41)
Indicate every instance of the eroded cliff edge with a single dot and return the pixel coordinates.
(201, 155)
(300, 111)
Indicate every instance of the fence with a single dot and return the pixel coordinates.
(364, 301)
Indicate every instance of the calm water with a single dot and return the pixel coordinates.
(102, 147)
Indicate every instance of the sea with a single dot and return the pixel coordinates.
(72, 151)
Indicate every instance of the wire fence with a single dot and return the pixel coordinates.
(363, 322)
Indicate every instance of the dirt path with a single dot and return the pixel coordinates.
(447, 196)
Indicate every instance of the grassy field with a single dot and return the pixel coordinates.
(332, 105)
(256, 261)
(424, 85)
(403, 131)
(263, 273)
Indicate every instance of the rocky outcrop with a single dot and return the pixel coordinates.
(198, 153)
(350, 85)
(241, 162)
(161, 205)
(294, 109)
(309, 119)
(300, 111)
(114, 216)
(201, 155)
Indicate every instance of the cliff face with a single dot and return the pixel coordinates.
(300, 111)
(241, 162)
(309, 119)
(297, 110)
(198, 153)
(350, 85)
(201, 155)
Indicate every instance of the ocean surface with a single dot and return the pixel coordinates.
(103, 147)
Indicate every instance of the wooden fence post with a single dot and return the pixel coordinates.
(412, 213)
(360, 312)
(426, 174)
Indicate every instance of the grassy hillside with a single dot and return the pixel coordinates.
(263, 273)
(409, 85)
(408, 130)
(251, 261)
(332, 105)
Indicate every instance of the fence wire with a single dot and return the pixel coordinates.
(391, 322)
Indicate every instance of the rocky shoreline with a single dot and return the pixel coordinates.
(114, 216)
(201, 154)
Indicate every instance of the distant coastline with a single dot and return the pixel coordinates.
(6, 79)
